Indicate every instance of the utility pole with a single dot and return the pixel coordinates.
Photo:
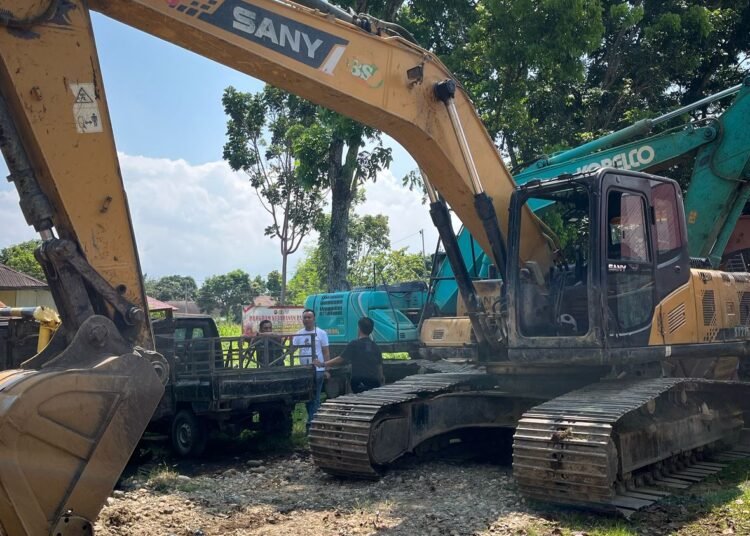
(424, 256)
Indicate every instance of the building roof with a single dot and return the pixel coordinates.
(2, 304)
(156, 305)
(264, 301)
(11, 279)
(185, 307)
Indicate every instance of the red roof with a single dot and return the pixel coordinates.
(11, 279)
(156, 305)
(264, 301)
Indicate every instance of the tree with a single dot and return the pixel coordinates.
(388, 267)
(367, 235)
(335, 151)
(273, 166)
(661, 55)
(258, 286)
(20, 257)
(307, 278)
(172, 288)
(273, 283)
(331, 156)
(226, 294)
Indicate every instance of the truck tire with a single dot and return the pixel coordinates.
(277, 420)
(189, 435)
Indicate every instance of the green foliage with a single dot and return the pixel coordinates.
(172, 288)
(229, 329)
(307, 279)
(389, 267)
(20, 257)
(546, 74)
(367, 235)
(273, 283)
(226, 294)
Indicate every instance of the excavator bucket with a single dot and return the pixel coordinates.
(65, 437)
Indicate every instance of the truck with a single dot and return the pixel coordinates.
(224, 383)
(609, 356)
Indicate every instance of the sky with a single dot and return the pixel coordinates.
(192, 215)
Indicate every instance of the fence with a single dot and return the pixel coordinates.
(231, 354)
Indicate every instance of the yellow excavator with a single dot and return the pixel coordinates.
(612, 358)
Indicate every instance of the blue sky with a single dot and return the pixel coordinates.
(169, 126)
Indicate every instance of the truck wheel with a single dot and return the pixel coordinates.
(189, 435)
(277, 420)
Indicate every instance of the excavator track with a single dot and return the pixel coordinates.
(344, 434)
(622, 445)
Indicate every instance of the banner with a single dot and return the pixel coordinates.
(284, 320)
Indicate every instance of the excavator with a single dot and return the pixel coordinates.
(715, 149)
(608, 354)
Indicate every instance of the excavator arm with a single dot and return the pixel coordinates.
(71, 418)
(50, 68)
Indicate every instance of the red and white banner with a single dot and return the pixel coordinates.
(285, 320)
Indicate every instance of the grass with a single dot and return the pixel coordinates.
(164, 479)
(396, 355)
(719, 505)
(229, 329)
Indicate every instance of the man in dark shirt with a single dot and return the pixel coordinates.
(365, 358)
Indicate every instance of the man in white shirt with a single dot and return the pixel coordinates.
(303, 342)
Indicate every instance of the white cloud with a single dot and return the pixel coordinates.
(205, 219)
(406, 213)
(197, 220)
(13, 228)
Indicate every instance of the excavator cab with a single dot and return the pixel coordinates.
(617, 246)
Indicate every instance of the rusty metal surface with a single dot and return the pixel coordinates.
(344, 434)
(616, 446)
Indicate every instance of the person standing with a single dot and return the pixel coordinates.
(365, 357)
(302, 340)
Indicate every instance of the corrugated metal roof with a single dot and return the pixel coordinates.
(156, 305)
(187, 307)
(11, 279)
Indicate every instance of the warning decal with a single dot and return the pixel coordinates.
(83, 97)
(86, 109)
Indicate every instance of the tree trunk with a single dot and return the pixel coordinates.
(282, 295)
(341, 174)
(339, 236)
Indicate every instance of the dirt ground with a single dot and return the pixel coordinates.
(286, 495)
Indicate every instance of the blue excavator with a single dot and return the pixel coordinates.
(716, 147)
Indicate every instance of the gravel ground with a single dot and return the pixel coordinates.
(289, 496)
(286, 495)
